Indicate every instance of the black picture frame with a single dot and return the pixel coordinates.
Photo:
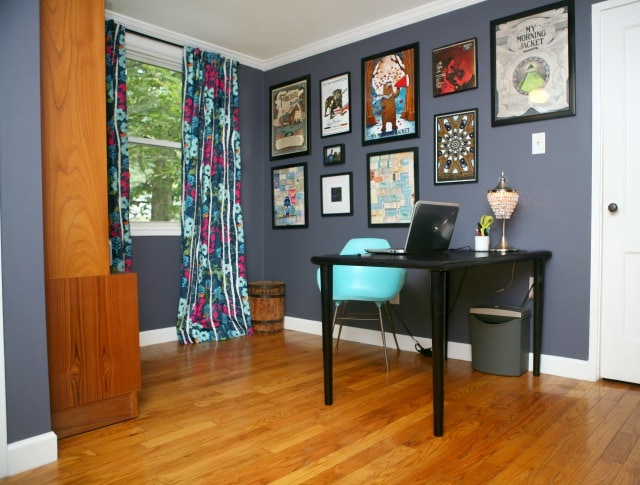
(289, 200)
(335, 105)
(335, 154)
(533, 65)
(391, 75)
(456, 147)
(455, 67)
(336, 192)
(289, 116)
(392, 188)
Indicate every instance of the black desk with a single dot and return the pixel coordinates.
(438, 264)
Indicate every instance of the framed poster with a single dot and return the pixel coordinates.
(455, 68)
(334, 154)
(456, 147)
(335, 106)
(532, 65)
(393, 187)
(390, 105)
(289, 115)
(337, 194)
(289, 196)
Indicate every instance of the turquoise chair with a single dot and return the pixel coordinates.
(365, 283)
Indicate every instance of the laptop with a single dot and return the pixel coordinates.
(431, 228)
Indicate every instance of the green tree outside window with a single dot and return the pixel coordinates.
(154, 109)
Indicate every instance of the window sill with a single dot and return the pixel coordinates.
(139, 229)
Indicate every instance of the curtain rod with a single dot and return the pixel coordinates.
(148, 36)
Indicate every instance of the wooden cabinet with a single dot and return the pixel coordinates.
(92, 316)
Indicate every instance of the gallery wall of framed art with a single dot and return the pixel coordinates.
(532, 78)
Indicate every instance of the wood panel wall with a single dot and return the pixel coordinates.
(92, 316)
(74, 149)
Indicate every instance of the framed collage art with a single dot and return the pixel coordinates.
(393, 187)
(289, 196)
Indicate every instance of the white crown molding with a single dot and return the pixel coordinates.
(390, 23)
(379, 27)
(183, 40)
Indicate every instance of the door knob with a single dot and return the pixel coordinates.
(613, 207)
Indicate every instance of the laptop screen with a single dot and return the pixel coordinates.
(431, 226)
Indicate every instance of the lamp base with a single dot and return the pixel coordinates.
(503, 246)
(501, 249)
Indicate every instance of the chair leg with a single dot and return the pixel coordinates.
(384, 342)
(335, 314)
(393, 326)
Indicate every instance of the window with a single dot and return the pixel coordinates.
(154, 111)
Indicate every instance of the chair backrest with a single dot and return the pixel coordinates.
(366, 283)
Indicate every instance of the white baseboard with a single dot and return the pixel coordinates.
(159, 336)
(32, 453)
(549, 364)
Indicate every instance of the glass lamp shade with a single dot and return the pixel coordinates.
(503, 201)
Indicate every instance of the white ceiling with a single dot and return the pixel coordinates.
(268, 33)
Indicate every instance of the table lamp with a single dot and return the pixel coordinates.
(503, 201)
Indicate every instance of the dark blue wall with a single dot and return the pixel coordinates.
(25, 338)
(554, 210)
(555, 188)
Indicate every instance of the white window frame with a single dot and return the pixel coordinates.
(150, 51)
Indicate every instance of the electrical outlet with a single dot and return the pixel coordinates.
(531, 286)
(396, 300)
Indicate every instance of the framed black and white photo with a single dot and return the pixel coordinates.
(335, 107)
(337, 194)
(532, 65)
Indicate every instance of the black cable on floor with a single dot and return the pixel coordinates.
(419, 348)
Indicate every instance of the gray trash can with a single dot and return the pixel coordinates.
(500, 337)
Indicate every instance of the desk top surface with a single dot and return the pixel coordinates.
(436, 260)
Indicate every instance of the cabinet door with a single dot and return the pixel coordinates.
(92, 334)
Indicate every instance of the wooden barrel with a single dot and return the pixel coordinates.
(266, 299)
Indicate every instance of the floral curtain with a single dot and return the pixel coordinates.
(117, 149)
(214, 302)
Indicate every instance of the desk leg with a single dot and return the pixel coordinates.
(538, 305)
(326, 279)
(439, 317)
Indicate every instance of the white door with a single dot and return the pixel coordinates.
(616, 228)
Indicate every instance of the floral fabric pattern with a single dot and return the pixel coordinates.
(117, 149)
(214, 300)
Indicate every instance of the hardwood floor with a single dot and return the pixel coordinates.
(251, 411)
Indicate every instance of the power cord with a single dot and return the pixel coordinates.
(419, 348)
(526, 297)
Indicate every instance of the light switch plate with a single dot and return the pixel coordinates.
(537, 143)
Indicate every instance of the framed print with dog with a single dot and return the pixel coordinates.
(335, 106)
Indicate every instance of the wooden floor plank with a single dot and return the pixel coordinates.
(251, 410)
